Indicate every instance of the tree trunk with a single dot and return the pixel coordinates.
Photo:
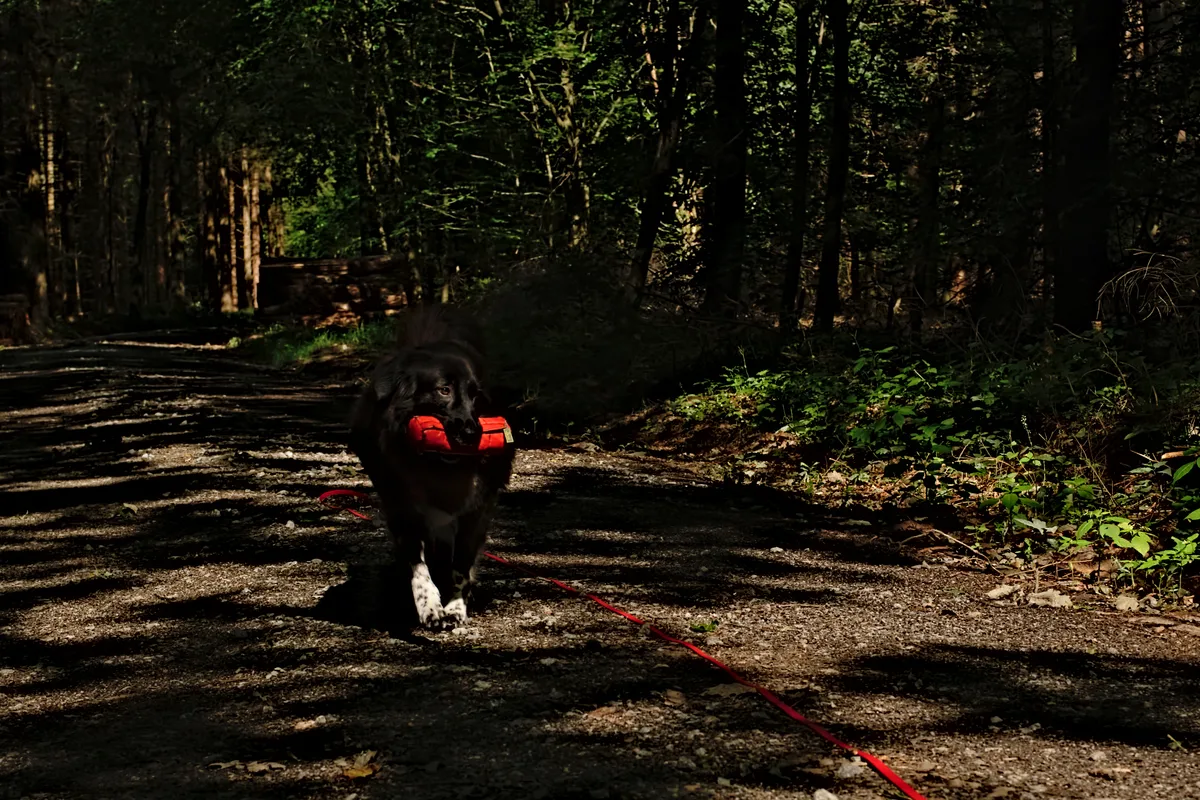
(246, 285)
(828, 301)
(56, 286)
(255, 235)
(1082, 264)
(139, 253)
(726, 217)
(926, 248)
(674, 72)
(177, 257)
(1051, 208)
(209, 240)
(789, 309)
(228, 246)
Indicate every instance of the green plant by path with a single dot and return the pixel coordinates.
(281, 345)
(1025, 440)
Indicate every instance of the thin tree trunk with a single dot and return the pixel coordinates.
(209, 240)
(726, 223)
(56, 285)
(828, 301)
(255, 235)
(177, 256)
(926, 229)
(674, 74)
(139, 256)
(1050, 126)
(227, 233)
(246, 287)
(1083, 264)
(789, 309)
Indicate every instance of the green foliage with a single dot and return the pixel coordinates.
(282, 345)
(1025, 441)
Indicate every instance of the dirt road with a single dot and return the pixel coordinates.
(178, 618)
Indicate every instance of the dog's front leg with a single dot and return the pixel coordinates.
(430, 564)
(426, 596)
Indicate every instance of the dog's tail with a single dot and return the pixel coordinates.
(430, 324)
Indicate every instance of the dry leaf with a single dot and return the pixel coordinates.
(363, 766)
(674, 697)
(602, 711)
(1125, 603)
(305, 725)
(1051, 598)
(224, 764)
(1001, 591)
(728, 690)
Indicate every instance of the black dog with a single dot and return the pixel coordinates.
(438, 507)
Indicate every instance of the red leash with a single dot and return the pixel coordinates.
(883, 769)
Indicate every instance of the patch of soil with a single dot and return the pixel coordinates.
(178, 618)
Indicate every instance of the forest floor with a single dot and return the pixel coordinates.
(179, 618)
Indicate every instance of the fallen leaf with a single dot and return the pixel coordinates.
(1001, 591)
(728, 690)
(224, 764)
(255, 767)
(674, 697)
(305, 725)
(1125, 603)
(362, 766)
(1051, 598)
(602, 711)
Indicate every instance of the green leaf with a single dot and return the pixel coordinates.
(1009, 500)
(1183, 471)
(1192, 517)
(1141, 543)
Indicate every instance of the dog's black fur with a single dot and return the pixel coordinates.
(438, 508)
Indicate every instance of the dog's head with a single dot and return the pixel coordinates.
(440, 380)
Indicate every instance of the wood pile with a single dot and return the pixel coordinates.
(360, 287)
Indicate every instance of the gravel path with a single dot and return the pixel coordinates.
(178, 618)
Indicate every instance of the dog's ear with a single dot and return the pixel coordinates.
(397, 397)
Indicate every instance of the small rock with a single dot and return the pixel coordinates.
(724, 782)
(1099, 755)
(824, 794)
(776, 549)
(850, 769)
(1001, 591)
(1126, 603)
(686, 763)
(290, 524)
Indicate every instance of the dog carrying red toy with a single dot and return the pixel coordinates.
(428, 435)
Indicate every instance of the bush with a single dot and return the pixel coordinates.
(1041, 445)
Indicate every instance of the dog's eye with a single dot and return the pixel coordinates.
(444, 391)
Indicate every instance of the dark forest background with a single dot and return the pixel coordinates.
(947, 245)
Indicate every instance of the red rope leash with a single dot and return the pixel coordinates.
(883, 769)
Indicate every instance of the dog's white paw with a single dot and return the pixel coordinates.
(455, 612)
(426, 597)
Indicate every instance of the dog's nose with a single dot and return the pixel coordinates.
(470, 428)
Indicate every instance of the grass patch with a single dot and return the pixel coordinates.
(282, 345)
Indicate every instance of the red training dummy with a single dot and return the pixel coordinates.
(428, 435)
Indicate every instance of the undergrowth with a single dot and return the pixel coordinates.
(1076, 446)
(281, 345)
